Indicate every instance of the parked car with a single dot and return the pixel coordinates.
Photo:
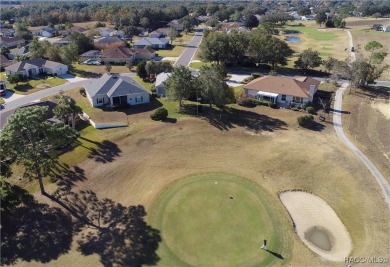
(2, 92)
(352, 49)
(1, 106)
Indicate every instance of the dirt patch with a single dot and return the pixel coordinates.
(43, 86)
(383, 108)
(317, 225)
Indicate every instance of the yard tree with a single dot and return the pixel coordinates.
(130, 31)
(36, 49)
(83, 43)
(308, 59)
(180, 84)
(186, 26)
(28, 138)
(107, 68)
(69, 53)
(237, 45)
(329, 63)
(251, 22)
(321, 17)
(213, 87)
(375, 56)
(215, 47)
(153, 68)
(268, 28)
(68, 110)
(141, 71)
(172, 34)
(303, 11)
(15, 77)
(21, 30)
(144, 22)
(4, 50)
(53, 53)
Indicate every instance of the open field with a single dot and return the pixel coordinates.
(32, 85)
(368, 128)
(362, 33)
(261, 144)
(231, 209)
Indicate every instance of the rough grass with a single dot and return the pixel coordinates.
(237, 214)
(31, 85)
(89, 71)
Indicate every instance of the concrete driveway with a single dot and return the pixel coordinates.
(236, 79)
(71, 78)
(11, 96)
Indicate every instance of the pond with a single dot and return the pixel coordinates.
(293, 39)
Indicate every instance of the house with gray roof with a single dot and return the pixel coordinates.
(11, 41)
(22, 51)
(154, 43)
(160, 83)
(115, 90)
(37, 66)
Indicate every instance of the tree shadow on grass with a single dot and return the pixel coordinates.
(230, 118)
(66, 177)
(32, 231)
(277, 255)
(105, 152)
(118, 234)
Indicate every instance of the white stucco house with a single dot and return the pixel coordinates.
(37, 66)
(160, 83)
(283, 90)
(115, 90)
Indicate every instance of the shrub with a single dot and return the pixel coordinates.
(310, 110)
(262, 102)
(272, 105)
(246, 102)
(247, 80)
(15, 78)
(305, 120)
(160, 114)
(256, 75)
(82, 91)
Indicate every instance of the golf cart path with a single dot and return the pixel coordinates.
(382, 182)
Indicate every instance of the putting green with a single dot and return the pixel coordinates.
(217, 219)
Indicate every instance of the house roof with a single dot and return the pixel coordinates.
(76, 29)
(113, 85)
(11, 39)
(37, 62)
(118, 52)
(146, 41)
(283, 85)
(91, 53)
(4, 61)
(144, 51)
(108, 40)
(231, 25)
(105, 29)
(161, 78)
(20, 51)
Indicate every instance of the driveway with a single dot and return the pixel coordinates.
(236, 79)
(71, 78)
(11, 96)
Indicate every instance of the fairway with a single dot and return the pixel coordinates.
(216, 219)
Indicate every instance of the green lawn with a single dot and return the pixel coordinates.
(89, 71)
(217, 219)
(197, 65)
(175, 51)
(32, 85)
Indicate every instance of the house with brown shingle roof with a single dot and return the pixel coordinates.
(37, 66)
(4, 61)
(283, 90)
(11, 41)
(117, 55)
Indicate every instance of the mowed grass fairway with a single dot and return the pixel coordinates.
(217, 219)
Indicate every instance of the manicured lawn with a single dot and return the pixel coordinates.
(217, 219)
(31, 85)
(197, 65)
(89, 71)
(174, 51)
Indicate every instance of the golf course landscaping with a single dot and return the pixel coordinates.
(217, 219)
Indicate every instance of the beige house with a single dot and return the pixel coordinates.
(37, 66)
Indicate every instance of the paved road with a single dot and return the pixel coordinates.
(189, 51)
(383, 184)
(41, 94)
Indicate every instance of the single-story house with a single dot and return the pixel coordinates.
(107, 31)
(45, 32)
(4, 61)
(11, 41)
(160, 83)
(176, 24)
(22, 51)
(108, 41)
(385, 28)
(377, 27)
(159, 33)
(113, 90)
(154, 43)
(283, 90)
(117, 55)
(37, 66)
(143, 53)
(228, 26)
(72, 29)
(62, 41)
(7, 32)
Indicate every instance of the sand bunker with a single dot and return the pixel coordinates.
(317, 225)
(382, 107)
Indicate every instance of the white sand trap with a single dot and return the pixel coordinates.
(317, 225)
(384, 108)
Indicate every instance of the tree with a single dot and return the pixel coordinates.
(69, 53)
(215, 47)
(144, 22)
(372, 46)
(141, 71)
(172, 34)
(28, 138)
(329, 63)
(251, 22)
(308, 59)
(155, 67)
(129, 65)
(130, 31)
(53, 53)
(83, 43)
(107, 68)
(213, 87)
(186, 26)
(180, 84)
(238, 42)
(321, 17)
(67, 109)
(303, 11)
(15, 77)
(4, 50)
(21, 30)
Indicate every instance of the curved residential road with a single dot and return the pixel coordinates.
(337, 123)
(189, 52)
